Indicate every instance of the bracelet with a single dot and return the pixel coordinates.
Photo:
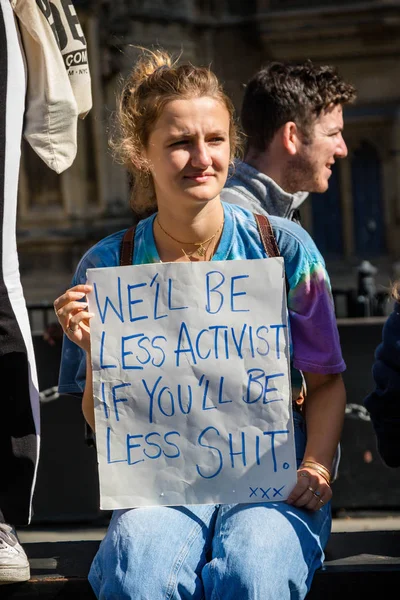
(327, 479)
(317, 465)
(323, 471)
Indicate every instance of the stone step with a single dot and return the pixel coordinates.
(358, 565)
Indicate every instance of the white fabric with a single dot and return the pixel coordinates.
(57, 94)
(16, 86)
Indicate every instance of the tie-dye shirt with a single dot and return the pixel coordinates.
(315, 345)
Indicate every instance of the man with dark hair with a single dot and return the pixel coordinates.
(292, 118)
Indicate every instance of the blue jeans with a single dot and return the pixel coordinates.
(265, 551)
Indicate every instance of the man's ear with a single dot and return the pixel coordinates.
(290, 137)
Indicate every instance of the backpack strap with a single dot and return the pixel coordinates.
(269, 241)
(126, 255)
(267, 235)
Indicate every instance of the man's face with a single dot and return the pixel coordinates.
(309, 169)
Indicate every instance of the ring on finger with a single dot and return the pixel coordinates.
(311, 489)
(69, 328)
(321, 502)
(302, 474)
(317, 494)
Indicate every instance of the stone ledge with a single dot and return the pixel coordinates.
(360, 564)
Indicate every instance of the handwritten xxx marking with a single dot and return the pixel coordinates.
(265, 493)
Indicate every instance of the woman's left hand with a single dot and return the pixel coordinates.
(311, 490)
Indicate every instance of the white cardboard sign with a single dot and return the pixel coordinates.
(192, 383)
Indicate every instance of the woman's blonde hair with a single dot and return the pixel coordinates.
(396, 291)
(155, 80)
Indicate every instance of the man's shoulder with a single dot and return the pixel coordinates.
(253, 189)
(235, 189)
(238, 193)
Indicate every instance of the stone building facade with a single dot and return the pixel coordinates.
(357, 219)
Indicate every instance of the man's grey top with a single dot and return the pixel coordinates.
(257, 192)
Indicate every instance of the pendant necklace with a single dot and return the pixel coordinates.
(190, 254)
(201, 247)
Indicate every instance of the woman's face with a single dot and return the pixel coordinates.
(189, 151)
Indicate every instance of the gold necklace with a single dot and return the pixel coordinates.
(190, 254)
(200, 250)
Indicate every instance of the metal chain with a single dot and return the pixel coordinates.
(356, 411)
(49, 394)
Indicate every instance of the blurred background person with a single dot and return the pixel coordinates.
(383, 403)
(42, 99)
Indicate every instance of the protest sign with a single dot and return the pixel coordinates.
(191, 383)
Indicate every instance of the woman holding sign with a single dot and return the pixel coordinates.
(178, 137)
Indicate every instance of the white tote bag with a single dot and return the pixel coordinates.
(59, 87)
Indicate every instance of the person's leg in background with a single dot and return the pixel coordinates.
(18, 460)
(19, 399)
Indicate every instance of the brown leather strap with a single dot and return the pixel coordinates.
(267, 235)
(269, 241)
(126, 256)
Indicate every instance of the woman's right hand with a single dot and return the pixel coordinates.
(73, 317)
